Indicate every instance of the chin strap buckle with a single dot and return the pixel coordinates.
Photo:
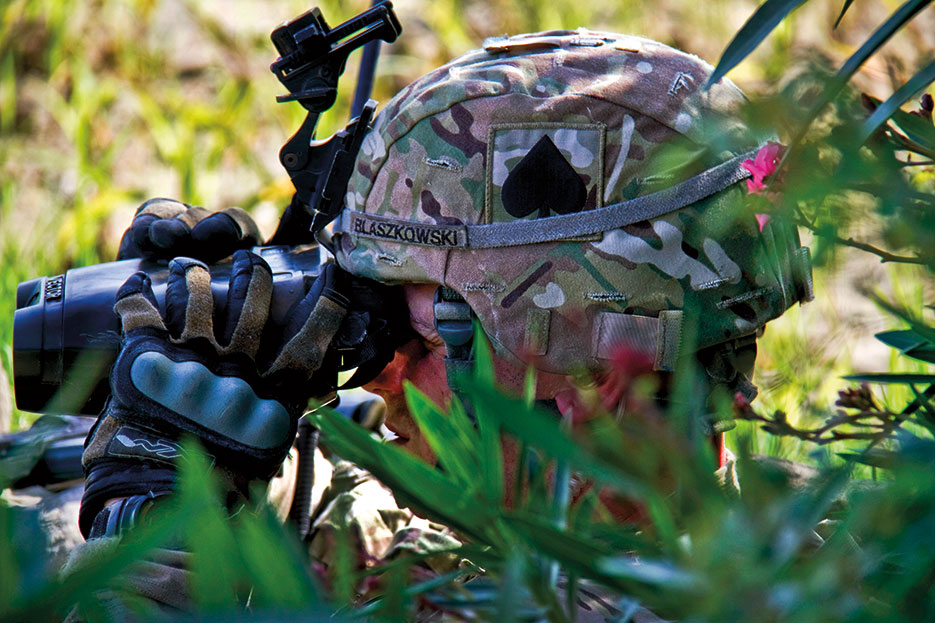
(454, 322)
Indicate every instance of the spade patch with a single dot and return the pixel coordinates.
(543, 182)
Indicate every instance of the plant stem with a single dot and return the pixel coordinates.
(885, 256)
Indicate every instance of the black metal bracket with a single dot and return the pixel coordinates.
(312, 58)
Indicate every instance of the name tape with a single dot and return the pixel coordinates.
(411, 233)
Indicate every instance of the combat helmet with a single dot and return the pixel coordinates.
(535, 179)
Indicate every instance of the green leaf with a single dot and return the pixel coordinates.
(542, 430)
(918, 130)
(901, 340)
(94, 570)
(916, 324)
(880, 36)
(884, 377)
(590, 558)
(488, 427)
(909, 343)
(274, 562)
(751, 34)
(847, 5)
(450, 436)
(483, 356)
(216, 566)
(658, 573)
(508, 599)
(428, 488)
(884, 111)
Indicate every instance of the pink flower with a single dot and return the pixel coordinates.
(764, 165)
(761, 219)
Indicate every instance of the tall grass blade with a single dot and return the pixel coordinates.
(763, 21)
(890, 27)
(847, 5)
(451, 438)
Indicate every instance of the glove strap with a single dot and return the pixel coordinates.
(108, 479)
(120, 516)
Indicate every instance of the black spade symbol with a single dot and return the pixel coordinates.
(543, 180)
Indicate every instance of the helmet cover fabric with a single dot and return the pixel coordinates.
(563, 122)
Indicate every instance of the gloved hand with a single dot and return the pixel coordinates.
(228, 379)
(165, 228)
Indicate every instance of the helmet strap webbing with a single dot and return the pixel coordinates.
(454, 322)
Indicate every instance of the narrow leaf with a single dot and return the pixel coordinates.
(892, 378)
(662, 574)
(919, 131)
(880, 36)
(428, 488)
(455, 446)
(909, 343)
(883, 112)
(751, 34)
(543, 431)
(483, 356)
(916, 324)
(901, 340)
(488, 427)
(847, 5)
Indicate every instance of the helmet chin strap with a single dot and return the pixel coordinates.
(454, 322)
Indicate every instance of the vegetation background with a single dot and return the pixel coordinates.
(104, 103)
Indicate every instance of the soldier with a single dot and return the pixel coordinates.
(579, 193)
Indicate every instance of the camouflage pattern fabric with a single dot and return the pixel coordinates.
(626, 117)
(356, 502)
(344, 497)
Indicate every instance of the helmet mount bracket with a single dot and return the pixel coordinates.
(312, 58)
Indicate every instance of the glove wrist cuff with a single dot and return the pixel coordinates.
(109, 479)
(120, 516)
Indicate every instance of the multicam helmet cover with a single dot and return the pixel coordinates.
(580, 191)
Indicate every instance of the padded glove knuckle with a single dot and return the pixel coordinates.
(165, 228)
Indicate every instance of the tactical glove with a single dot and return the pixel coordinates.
(234, 381)
(165, 228)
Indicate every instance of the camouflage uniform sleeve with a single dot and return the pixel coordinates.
(380, 529)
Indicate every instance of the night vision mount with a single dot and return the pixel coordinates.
(312, 58)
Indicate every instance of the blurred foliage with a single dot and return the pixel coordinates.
(825, 548)
(105, 103)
